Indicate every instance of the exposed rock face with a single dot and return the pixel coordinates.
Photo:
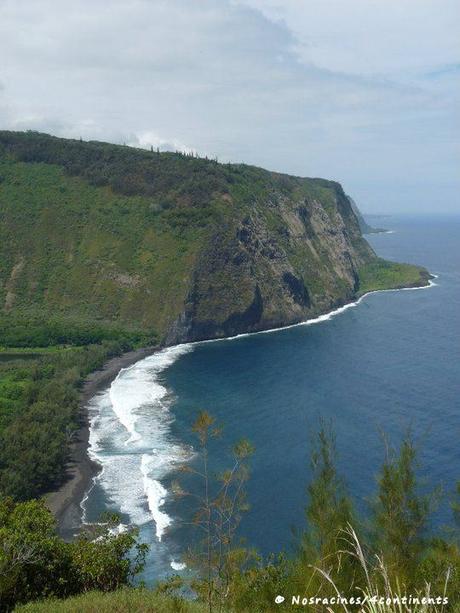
(363, 225)
(170, 246)
(287, 261)
(11, 283)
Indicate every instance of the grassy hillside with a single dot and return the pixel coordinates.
(110, 240)
(106, 247)
(72, 250)
(380, 274)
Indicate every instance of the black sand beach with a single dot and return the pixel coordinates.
(65, 501)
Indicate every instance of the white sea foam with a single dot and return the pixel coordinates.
(136, 404)
(136, 387)
(325, 316)
(156, 495)
(120, 529)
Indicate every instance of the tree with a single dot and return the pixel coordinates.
(401, 512)
(329, 515)
(219, 511)
(36, 563)
(329, 508)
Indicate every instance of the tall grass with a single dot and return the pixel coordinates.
(380, 594)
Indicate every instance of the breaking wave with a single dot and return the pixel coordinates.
(130, 438)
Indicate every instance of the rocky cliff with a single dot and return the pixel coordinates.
(285, 260)
(176, 247)
(363, 225)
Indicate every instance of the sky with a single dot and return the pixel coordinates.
(365, 92)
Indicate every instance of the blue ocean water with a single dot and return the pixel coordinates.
(389, 364)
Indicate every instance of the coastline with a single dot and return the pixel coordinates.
(329, 314)
(65, 501)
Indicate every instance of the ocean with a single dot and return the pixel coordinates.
(374, 370)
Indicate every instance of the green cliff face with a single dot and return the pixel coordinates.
(175, 247)
(287, 257)
(363, 225)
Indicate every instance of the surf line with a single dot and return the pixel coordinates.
(320, 318)
(153, 490)
(134, 387)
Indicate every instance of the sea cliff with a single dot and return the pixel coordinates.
(167, 247)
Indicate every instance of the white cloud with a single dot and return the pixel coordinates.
(387, 37)
(149, 139)
(363, 91)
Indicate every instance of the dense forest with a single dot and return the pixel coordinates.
(177, 180)
(39, 412)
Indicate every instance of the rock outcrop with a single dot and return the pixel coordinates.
(171, 247)
(288, 260)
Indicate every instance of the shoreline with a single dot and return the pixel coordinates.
(325, 316)
(65, 502)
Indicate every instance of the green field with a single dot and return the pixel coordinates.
(382, 274)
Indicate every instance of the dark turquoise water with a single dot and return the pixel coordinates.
(390, 363)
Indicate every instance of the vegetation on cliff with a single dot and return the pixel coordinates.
(115, 240)
(106, 247)
(390, 554)
(380, 274)
(363, 225)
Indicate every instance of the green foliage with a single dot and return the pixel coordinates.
(36, 563)
(19, 330)
(331, 560)
(39, 415)
(126, 170)
(329, 513)
(329, 510)
(218, 558)
(104, 236)
(98, 248)
(128, 600)
(380, 274)
(401, 513)
(88, 259)
(394, 556)
(254, 589)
